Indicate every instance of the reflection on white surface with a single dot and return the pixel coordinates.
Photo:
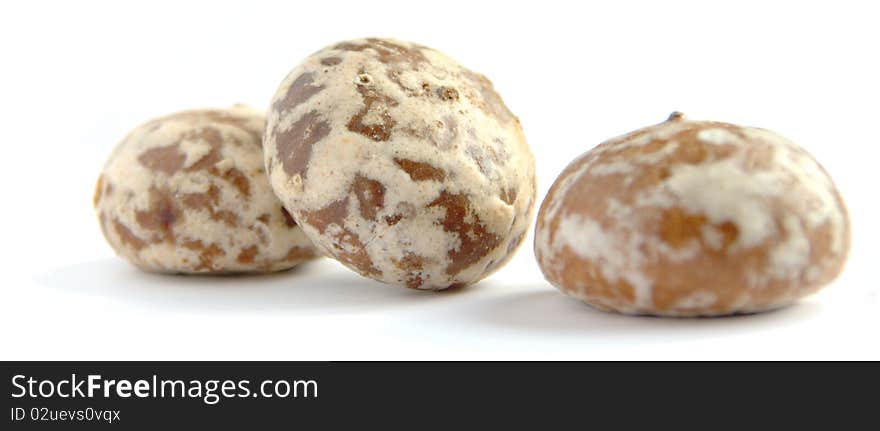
(318, 288)
(304, 289)
(322, 311)
(549, 312)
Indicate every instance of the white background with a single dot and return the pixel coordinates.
(76, 76)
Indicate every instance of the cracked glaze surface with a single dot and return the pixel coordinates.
(188, 193)
(400, 163)
(692, 218)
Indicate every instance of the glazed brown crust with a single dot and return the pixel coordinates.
(400, 163)
(187, 193)
(692, 218)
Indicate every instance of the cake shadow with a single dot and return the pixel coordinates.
(543, 310)
(316, 287)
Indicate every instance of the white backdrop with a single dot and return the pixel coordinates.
(76, 76)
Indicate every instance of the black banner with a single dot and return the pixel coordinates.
(125, 395)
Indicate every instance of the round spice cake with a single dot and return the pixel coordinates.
(400, 163)
(187, 193)
(692, 218)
